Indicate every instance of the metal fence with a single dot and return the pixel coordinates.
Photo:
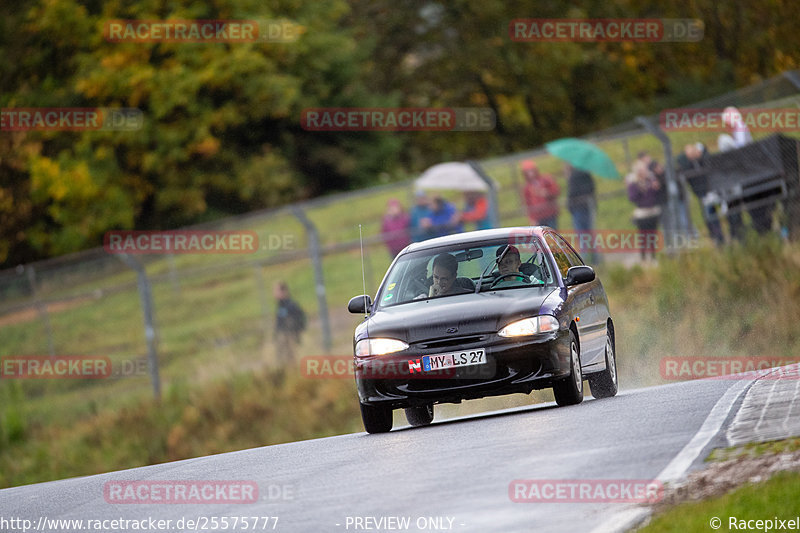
(213, 313)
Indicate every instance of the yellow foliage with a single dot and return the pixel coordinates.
(49, 179)
(207, 147)
(46, 178)
(115, 60)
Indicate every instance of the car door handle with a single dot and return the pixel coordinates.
(591, 298)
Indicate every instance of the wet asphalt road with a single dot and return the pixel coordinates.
(451, 476)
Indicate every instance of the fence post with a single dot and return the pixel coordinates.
(793, 76)
(494, 211)
(41, 309)
(262, 296)
(173, 274)
(627, 150)
(518, 188)
(316, 259)
(146, 296)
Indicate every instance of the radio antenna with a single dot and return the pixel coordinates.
(363, 276)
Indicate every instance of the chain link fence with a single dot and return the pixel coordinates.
(213, 314)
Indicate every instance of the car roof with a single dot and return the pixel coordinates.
(477, 236)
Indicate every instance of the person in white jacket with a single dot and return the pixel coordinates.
(740, 133)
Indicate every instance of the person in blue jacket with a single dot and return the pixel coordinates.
(444, 218)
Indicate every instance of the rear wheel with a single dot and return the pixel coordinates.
(420, 416)
(376, 419)
(604, 384)
(569, 391)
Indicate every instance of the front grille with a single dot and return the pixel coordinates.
(453, 341)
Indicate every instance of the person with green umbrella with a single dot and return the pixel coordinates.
(582, 158)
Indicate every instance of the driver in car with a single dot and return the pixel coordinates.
(510, 263)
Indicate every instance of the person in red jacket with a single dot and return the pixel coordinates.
(541, 195)
(476, 209)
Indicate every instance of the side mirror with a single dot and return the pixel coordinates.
(360, 304)
(579, 274)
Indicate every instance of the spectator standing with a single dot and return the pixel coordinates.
(394, 228)
(541, 196)
(443, 219)
(739, 132)
(689, 163)
(290, 322)
(581, 203)
(644, 191)
(476, 209)
(421, 211)
(658, 171)
(740, 136)
(661, 175)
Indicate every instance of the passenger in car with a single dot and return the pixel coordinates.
(445, 273)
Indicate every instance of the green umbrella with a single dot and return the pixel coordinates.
(584, 155)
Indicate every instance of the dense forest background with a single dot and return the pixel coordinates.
(222, 132)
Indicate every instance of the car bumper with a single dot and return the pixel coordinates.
(513, 365)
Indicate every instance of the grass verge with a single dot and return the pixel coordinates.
(769, 500)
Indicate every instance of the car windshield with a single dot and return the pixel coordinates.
(462, 269)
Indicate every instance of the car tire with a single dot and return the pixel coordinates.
(569, 391)
(605, 384)
(420, 416)
(376, 419)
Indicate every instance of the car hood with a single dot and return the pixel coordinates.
(471, 314)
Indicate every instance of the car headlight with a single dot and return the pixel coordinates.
(530, 326)
(379, 346)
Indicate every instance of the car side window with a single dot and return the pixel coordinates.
(572, 255)
(562, 261)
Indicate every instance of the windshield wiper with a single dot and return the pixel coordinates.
(496, 262)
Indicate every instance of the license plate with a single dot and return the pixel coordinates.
(441, 361)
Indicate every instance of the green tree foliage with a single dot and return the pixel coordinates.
(222, 131)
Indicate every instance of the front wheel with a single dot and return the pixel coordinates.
(569, 391)
(604, 384)
(420, 416)
(376, 419)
